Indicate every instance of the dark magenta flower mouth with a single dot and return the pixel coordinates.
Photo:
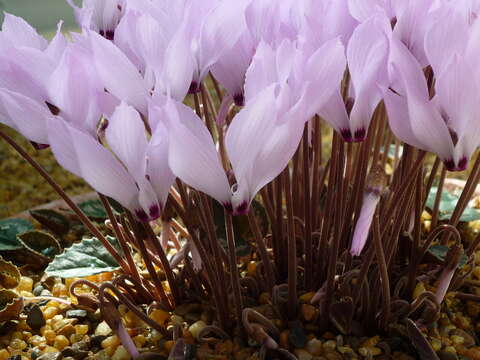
(141, 215)
(242, 209)
(346, 135)
(108, 34)
(154, 212)
(239, 99)
(194, 88)
(461, 166)
(360, 134)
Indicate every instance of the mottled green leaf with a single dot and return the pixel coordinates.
(89, 257)
(9, 229)
(93, 209)
(440, 251)
(52, 220)
(448, 201)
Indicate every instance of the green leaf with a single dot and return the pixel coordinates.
(86, 258)
(41, 243)
(52, 220)
(93, 209)
(440, 251)
(9, 229)
(448, 201)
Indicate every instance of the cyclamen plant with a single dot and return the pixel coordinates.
(266, 81)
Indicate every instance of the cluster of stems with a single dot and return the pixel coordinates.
(312, 207)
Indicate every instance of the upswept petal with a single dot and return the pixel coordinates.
(57, 46)
(82, 155)
(367, 55)
(175, 75)
(323, 71)
(158, 170)
(191, 152)
(221, 29)
(262, 71)
(127, 138)
(118, 74)
(445, 37)
(457, 93)
(73, 88)
(231, 68)
(27, 115)
(426, 122)
(412, 25)
(18, 32)
(246, 136)
(363, 9)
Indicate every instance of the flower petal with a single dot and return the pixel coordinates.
(362, 228)
(192, 155)
(19, 33)
(118, 74)
(82, 155)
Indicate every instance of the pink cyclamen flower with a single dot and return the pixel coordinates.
(439, 125)
(375, 187)
(101, 16)
(136, 174)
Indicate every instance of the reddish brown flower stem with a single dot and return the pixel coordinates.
(292, 248)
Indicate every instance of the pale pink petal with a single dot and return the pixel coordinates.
(411, 27)
(231, 68)
(324, 72)
(82, 155)
(362, 228)
(127, 138)
(158, 171)
(447, 36)
(192, 154)
(118, 74)
(221, 29)
(262, 71)
(57, 45)
(175, 75)
(335, 113)
(367, 54)
(245, 137)
(27, 115)
(19, 33)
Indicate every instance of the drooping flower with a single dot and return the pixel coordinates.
(445, 124)
(136, 174)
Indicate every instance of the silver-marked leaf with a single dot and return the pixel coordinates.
(86, 258)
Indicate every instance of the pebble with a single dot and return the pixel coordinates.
(468, 340)
(76, 314)
(103, 329)
(196, 327)
(35, 318)
(297, 336)
(38, 290)
(308, 312)
(447, 355)
(121, 354)
(303, 354)
(365, 351)
(50, 356)
(314, 347)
